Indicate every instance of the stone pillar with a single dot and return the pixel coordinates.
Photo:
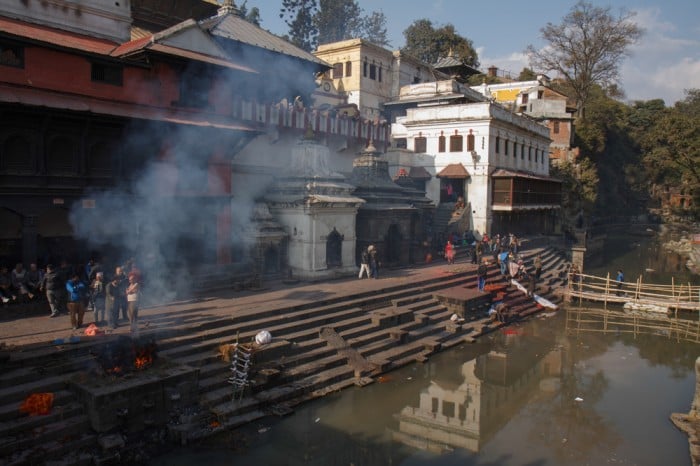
(695, 408)
(577, 256)
(30, 234)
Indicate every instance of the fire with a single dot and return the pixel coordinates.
(143, 359)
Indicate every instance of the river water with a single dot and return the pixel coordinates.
(529, 394)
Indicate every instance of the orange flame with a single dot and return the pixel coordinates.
(143, 361)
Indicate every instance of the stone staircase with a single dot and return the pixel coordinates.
(371, 332)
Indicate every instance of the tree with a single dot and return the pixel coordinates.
(373, 29)
(337, 20)
(586, 49)
(299, 16)
(671, 147)
(527, 75)
(426, 43)
(252, 16)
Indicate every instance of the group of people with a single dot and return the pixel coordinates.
(75, 290)
(369, 262)
(19, 285)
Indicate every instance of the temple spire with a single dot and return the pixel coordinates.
(228, 7)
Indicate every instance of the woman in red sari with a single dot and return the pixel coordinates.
(449, 252)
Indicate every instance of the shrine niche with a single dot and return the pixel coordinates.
(334, 249)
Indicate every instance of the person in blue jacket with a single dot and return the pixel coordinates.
(77, 297)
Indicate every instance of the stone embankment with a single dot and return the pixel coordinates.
(326, 337)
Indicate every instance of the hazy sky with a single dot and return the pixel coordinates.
(664, 63)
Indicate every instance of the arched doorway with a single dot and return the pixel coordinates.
(393, 244)
(271, 259)
(334, 249)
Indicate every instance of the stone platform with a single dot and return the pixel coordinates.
(467, 303)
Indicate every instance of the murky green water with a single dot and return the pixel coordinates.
(530, 394)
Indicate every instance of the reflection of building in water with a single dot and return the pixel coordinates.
(468, 410)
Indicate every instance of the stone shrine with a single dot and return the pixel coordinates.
(393, 218)
(318, 210)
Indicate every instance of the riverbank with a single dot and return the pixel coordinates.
(372, 327)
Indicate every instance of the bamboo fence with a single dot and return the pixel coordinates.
(674, 297)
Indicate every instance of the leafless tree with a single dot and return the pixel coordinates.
(586, 48)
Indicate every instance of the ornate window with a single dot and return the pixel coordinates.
(11, 55)
(16, 155)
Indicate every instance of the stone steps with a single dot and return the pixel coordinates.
(309, 366)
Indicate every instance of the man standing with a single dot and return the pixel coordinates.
(77, 295)
(120, 296)
(538, 267)
(373, 262)
(620, 278)
(54, 285)
(481, 273)
(364, 263)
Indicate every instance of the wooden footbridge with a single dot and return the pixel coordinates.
(646, 308)
(635, 296)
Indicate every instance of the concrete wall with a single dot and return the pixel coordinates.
(98, 18)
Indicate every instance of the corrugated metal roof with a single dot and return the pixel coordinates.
(454, 170)
(233, 27)
(55, 37)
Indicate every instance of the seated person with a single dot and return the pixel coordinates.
(18, 278)
(499, 312)
(6, 293)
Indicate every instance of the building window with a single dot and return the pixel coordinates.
(348, 69)
(515, 150)
(525, 97)
(61, 156)
(556, 127)
(470, 142)
(11, 55)
(522, 151)
(373, 71)
(441, 143)
(529, 153)
(17, 155)
(498, 145)
(420, 144)
(416, 80)
(456, 143)
(379, 74)
(365, 65)
(505, 147)
(194, 89)
(337, 70)
(107, 74)
(537, 155)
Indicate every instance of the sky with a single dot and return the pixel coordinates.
(662, 64)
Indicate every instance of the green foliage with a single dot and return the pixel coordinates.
(252, 16)
(586, 49)
(671, 144)
(299, 16)
(374, 29)
(429, 44)
(313, 22)
(579, 186)
(337, 20)
(527, 75)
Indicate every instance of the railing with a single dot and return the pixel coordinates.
(606, 290)
(302, 118)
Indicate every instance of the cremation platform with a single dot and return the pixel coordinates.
(467, 303)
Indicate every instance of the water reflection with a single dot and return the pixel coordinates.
(529, 395)
(464, 406)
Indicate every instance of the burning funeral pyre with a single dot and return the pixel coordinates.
(126, 355)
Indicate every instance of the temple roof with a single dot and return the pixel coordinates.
(454, 170)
